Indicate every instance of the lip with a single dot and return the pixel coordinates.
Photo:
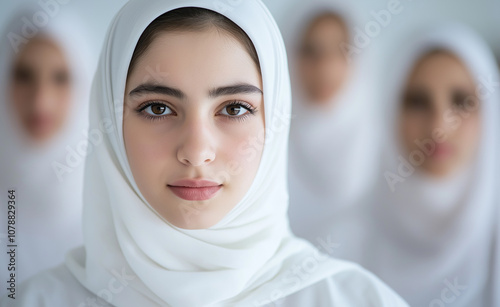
(442, 151)
(195, 190)
(41, 121)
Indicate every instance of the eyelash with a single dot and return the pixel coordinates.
(140, 110)
(251, 110)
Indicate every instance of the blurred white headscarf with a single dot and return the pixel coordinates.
(333, 153)
(432, 239)
(248, 256)
(47, 178)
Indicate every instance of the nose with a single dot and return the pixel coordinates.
(197, 146)
(438, 119)
(41, 98)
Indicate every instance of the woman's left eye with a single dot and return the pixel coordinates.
(462, 99)
(235, 110)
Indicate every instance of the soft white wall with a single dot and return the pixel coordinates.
(95, 14)
(481, 15)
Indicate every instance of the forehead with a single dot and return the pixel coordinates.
(440, 67)
(42, 51)
(196, 57)
(323, 25)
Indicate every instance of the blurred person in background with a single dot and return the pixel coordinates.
(333, 151)
(45, 72)
(430, 227)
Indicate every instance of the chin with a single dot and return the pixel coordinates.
(439, 170)
(40, 137)
(193, 223)
(193, 217)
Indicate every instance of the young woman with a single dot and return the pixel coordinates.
(333, 137)
(45, 81)
(186, 199)
(432, 224)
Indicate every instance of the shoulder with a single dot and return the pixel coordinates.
(53, 287)
(354, 286)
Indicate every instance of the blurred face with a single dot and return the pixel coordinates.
(440, 114)
(322, 65)
(185, 131)
(41, 88)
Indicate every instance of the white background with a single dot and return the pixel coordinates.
(482, 15)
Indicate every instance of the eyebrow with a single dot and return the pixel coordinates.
(157, 89)
(241, 88)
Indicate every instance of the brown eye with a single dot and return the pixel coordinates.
(310, 52)
(157, 109)
(234, 110)
(23, 75)
(61, 78)
(417, 101)
(461, 99)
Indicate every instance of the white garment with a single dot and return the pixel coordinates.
(48, 199)
(333, 154)
(430, 238)
(363, 287)
(247, 259)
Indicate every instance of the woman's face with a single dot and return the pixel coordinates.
(322, 65)
(193, 110)
(440, 114)
(41, 88)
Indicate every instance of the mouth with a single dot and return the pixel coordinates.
(195, 190)
(442, 152)
(41, 122)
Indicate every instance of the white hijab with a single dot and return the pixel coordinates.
(245, 258)
(48, 190)
(333, 153)
(431, 233)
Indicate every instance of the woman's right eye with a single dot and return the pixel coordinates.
(24, 75)
(157, 109)
(311, 52)
(416, 101)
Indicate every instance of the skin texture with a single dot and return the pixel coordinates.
(323, 67)
(440, 106)
(40, 89)
(199, 136)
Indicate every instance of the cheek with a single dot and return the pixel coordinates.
(240, 150)
(65, 93)
(468, 134)
(148, 151)
(63, 98)
(341, 69)
(413, 128)
(305, 70)
(311, 68)
(333, 66)
(20, 95)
